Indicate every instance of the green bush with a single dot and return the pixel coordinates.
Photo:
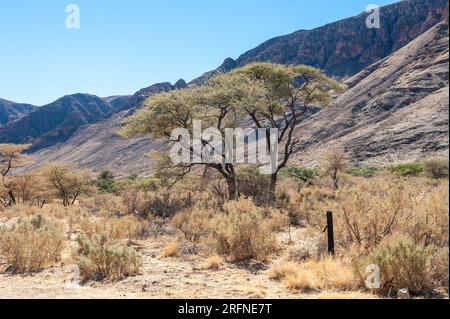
(305, 174)
(407, 170)
(366, 172)
(100, 258)
(436, 169)
(147, 184)
(403, 264)
(105, 182)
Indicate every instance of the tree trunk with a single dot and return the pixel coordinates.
(273, 186)
(232, 188)
(12, 199)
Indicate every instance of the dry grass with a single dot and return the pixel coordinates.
(371, 217)
(327, 273)
(170, 250)
(31, 245)
(212, 263)
(128, 227)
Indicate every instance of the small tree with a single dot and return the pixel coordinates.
(11, 157)
(32, 189)
(336, 162)
(68, 182)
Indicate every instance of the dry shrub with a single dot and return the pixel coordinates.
(31, 245)
(133, 200)
(194, 224)
(104, 204)
(327, 273)
(368, 211)
(436, 169)
(170, 250)
(167, 204)
(116, 228)
(242, 232)
(212, 263)
(101, 258)
(283, 270)
(312, 248)
(439, 272)
(277, 220)
(403, 264)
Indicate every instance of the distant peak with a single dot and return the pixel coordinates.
(180, 84)
(228, 65)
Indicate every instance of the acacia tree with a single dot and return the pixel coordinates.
(272, 96)
(67, 182)
(168, 112)
(284, 95)
(11, 157)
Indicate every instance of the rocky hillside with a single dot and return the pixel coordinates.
(346, 47)
(397, 109)
(55, 122)
(10, 111)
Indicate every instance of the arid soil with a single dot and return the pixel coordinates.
(168, 278)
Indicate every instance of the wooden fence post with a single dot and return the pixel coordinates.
(330, 230)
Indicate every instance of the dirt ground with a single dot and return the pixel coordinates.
(161, 278)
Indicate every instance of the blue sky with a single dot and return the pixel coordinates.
(124, 45)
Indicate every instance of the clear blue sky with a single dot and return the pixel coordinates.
(124, 45)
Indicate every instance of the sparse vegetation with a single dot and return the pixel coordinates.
(31, 245)
(407, 170)
(100, 258)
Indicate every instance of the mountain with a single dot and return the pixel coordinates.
(396, 109)
(10, 111)
(55, 122)
(346, 47)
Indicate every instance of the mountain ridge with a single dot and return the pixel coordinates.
(345, 47)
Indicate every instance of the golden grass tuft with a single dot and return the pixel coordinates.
(170, 250)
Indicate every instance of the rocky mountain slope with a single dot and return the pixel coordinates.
(55, 122)
(397, 109)
(10, 111)
(346, 47)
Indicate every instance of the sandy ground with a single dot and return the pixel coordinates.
(161, 278)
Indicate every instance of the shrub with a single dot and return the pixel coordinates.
(439, 263)
(365, 172)
(212, 263)
(105, 182)
(170, 250)
(31, 245)
(305, 174)
(167, 204)
(194, 224)
(128, 227)
(407, 170)
(307, 249)
(403, 264)
(242, 233)
(100, 258)
(436, 169)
